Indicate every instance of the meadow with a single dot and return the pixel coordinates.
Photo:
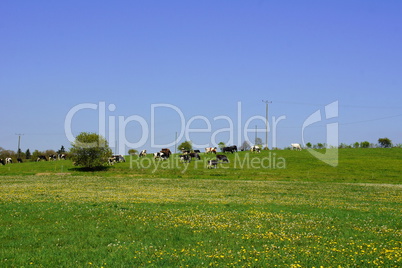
(247, 213)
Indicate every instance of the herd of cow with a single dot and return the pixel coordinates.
(164, 154)
(187, 156)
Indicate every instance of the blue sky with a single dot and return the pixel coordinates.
(207, 59)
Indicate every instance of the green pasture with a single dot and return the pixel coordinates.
(171, 214)
(355, 165)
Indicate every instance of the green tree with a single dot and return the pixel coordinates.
(62, 150)
(132, 151)
(90, 150)
(385, 142)
(364, 144)
(187, 146)
(356, 145)
(309, 145)
(221, 145)
(27, 154)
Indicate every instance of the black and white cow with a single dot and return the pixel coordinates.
(19, 160)
(118, 158)
(195, 155)
(143, 153)
(197, 151)
(9, 160)
(221, 157)
(230, 149)
(212, 163)
(61, 156)
(41, 157)
(255, 149)
(2, 162)
(160, 155)
(185, 158)
(52, 157)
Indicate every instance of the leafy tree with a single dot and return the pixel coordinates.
(385, 142)
(62, 150)
(36, 154)
(258, 141)
(90, 150)
(364, 144)
(27, 154)
(187, 145)
(221, 145)
(320, 145)
(309, 145)
(132, 151)
(356, 145)
(245, 146)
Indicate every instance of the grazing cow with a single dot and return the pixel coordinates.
(210, 150)
(9, 160)
(143, 153)
(166, 152)
(195, 155)
(197, 151)
(52, 157)
(160, 155)
(296, 146)
(255, 149)
(40, 158)
(2, 162)
(111, 161)
(19, 160)
(212, 164)
(61, 156)
(185, 158)
(223, 158)
(118, 158)
(230, 149)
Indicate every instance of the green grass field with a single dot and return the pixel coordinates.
(251, 212)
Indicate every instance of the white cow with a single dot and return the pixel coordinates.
(9, 160)
(296, 146)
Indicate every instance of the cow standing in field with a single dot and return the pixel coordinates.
(255, 149)
(61, 156)
(166, 152)
(160, 155)
(195, 155)
(210, 150)
(52, 157)
(223, 158)
(212, 164)
(2, 162)
(143, 153)
(185, 158)
(9, 160)
(19, 160)
(40, 158)
(296, 146)
(231, 149)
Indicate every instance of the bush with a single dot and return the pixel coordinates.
(90, 150)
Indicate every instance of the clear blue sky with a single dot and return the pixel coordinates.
(202, 57)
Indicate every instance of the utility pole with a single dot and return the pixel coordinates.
(19, 143)
(266, 122)
(175, 144)
(255, 139)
